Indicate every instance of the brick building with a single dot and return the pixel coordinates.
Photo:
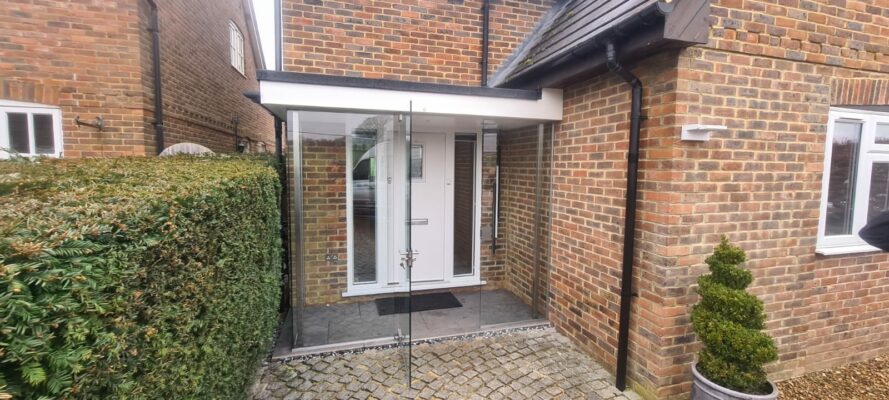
(62, 62)
(765, 121)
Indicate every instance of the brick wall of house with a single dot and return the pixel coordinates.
(770, 73)
(589, 191)
(518, 177)
(94, 59)
(203, 94)
(82, 57)
(324, 219)
(493, 270)
(427, 41)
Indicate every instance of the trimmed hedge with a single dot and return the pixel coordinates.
(137, 278)
(729, 321)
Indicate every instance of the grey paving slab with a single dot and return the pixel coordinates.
(527, 364)
(360, 321)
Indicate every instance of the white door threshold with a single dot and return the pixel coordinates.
(369, 291)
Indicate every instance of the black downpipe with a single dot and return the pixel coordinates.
(279, 57)
(486, 16)
(154, 28)
(285, 216)
(626, 283)
(279, 147)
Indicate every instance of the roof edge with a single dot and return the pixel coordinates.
(388, 84)
(662, 24)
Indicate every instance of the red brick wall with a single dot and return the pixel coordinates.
(425, 41)
(518, 171)
(94, 59)
(324, 219)
(770, 73)
(493, 270)
(202, 92)
(82, 57)
(589, 178)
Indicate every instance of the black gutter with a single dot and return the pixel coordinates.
(486, 17)
(626, 283)
(154, 28)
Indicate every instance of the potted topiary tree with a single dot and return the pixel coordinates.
(730, 321)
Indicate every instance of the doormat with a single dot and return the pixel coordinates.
(419, 302)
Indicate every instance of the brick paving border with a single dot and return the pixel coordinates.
(525, 364)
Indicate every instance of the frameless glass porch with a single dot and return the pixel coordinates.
(470, 195)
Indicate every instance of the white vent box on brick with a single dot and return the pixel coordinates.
(700, 133)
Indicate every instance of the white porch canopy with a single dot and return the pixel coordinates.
(281, 91)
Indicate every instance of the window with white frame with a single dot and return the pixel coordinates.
(28, 129)
(856, 178)
(236, 40)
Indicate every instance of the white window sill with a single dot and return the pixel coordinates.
(839, 250)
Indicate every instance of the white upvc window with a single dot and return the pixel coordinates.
(236, 40)
(856, 178)
(28, 130)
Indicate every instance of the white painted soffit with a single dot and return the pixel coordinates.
(287, 95)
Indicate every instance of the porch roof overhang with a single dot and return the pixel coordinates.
(568, 44)
(281, 91)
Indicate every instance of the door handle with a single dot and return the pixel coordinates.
(419, 221)
(407, 258)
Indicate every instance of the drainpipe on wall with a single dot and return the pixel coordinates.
(239, 146)
(279, 56)
(486, 16)
(626, 284)
(154, 28)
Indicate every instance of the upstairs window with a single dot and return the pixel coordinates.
(236, 40)
(29, 130)
(856, 178)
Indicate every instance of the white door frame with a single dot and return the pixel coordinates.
(391, 279)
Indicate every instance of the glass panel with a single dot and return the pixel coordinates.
(523, 160)
(44, 138)
(841, 184)
(364, 203)
(416, 165)
(344, 174)
(882, 134)
(464, 203)
(404, 242)
(879, 190)
(19, 139)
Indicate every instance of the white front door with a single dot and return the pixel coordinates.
(430, 198)
(432, 210)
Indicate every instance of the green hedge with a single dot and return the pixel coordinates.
(137, 278)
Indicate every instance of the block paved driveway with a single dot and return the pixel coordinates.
(527, 364)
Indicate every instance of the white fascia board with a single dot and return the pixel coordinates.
(317, 97)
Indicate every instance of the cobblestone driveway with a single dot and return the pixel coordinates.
(531, 364)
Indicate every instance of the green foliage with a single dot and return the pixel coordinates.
(729, 322)
(136, 278)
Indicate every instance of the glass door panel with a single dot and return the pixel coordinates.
(349, 288)
(403, 238)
